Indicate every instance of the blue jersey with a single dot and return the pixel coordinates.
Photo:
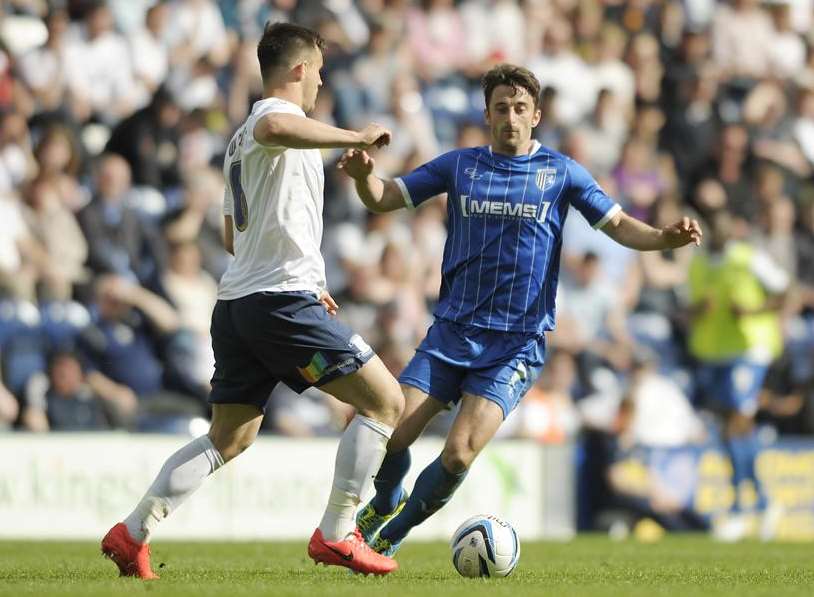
(505, 221)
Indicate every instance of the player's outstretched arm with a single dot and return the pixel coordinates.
(300, 132)
(635, 234)
(378, 195)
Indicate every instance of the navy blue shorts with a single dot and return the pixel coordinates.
(270, 337)
(456, 358)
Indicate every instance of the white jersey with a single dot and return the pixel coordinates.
(274, 195)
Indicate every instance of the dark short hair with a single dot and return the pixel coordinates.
(283, 42)
(62, 352)
(512, 76)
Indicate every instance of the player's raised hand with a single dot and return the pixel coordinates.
(682, 233)
(374, 135)
(356, 163)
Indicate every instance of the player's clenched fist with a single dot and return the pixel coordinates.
(374, 135)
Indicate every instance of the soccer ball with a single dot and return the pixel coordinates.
(485, 546)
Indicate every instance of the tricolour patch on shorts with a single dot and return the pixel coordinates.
(314, 370)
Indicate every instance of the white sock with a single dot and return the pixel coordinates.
(181, 475)
(358, 458)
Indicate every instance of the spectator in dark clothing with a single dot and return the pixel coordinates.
(66, 399)
(732, 165)
(148, 140)
(70, 403)
(135, 340)
(120, 342)
(682, 69)
(119, 240)
(692, 127)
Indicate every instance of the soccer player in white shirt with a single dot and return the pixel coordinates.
(273, 320)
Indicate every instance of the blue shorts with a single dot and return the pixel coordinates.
(733, 386)
(455, 358)
(270, 337)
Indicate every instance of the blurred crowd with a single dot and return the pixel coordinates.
(113, 122)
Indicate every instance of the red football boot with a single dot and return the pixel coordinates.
(132, 558)
(351, 553)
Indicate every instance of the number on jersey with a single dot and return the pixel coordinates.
(241, 206)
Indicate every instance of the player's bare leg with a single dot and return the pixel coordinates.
(234, 428)
(376, 395)
(473, 428)
(372, 390)
(390, 498)
(419, 409)
(475, 424)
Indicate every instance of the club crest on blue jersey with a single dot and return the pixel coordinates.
(545, 178)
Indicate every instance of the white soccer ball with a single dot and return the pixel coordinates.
(485, 546)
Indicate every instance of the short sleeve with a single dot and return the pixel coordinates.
(270, 106)
(585, 194)
(427, 181)
(228, 205)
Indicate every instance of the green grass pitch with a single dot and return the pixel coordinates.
(589, 565)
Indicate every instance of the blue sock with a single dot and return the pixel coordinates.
(388, 481)
(743, 451)
(433, 488)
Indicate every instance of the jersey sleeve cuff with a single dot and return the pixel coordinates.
(408, 201)
(227, 205)
(608, 215)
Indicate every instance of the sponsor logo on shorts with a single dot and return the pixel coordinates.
(519, 377)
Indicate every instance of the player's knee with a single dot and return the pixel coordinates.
(457, 458)
(235, 449)
(397, 403)
(230, 446)
(390, 406)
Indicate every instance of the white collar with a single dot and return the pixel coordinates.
(535, 146)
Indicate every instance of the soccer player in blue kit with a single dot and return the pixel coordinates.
(506, 206)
